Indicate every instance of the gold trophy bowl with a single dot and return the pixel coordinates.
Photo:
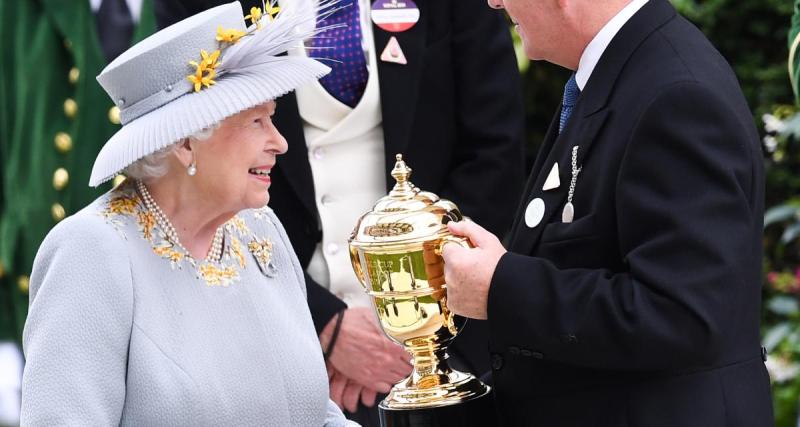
(395, 250)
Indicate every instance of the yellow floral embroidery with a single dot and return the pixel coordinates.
(122, 205)
(255, 16)
(236, 250)
(261, 249)
(230, 35)
(215, 276)
(167, 251)
(146, 222)
(238, 225)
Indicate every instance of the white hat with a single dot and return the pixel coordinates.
(199, 71)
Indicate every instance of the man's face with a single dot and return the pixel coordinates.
(539, 24)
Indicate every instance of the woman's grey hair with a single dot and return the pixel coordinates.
(155, 165)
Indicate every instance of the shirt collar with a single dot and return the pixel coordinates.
(135, 7)
(591, 55)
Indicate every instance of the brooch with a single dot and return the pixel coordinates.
(262, 252)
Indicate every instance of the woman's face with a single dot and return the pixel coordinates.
(234, 164)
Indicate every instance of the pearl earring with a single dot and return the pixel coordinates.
(192, 169)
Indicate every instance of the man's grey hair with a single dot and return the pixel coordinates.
(156, 165)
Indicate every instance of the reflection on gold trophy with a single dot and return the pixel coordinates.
(396, 254)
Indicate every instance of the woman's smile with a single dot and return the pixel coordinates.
(261, 173)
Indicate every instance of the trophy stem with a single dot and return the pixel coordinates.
(430, 366)
(432, 382)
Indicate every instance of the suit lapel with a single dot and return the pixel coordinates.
(581, 133)
(294, 164)
(544, 152)
(399, 84)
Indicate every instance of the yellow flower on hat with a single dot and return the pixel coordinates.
(272, 10)
(210, 61)
(230, 35)
(205, 70)
(200, 80)
(255, 16)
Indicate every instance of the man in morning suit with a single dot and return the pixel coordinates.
(448, 98)
(630, 293)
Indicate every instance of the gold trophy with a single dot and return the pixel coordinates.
(396, 250)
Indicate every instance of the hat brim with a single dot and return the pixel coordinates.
(233, 92)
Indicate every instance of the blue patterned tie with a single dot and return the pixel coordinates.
(348, 78)
(571, 94)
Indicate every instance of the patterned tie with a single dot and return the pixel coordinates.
(571, 94)
(348, 78)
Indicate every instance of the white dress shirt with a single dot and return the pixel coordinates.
(135, 6)
(600, 42)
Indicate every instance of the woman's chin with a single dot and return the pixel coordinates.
(258, 200)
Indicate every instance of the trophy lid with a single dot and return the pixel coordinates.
(406, 215)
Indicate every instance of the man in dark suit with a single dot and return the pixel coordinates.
(447, 97)
(630, 294)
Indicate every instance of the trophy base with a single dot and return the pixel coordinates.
(449, 387)
(477, 411)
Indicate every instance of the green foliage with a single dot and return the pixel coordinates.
(781, 320)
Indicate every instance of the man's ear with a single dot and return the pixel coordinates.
(184, 152)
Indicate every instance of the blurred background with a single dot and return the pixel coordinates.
(54, 119)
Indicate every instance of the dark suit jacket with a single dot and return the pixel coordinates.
(455, 112)
(644, 311)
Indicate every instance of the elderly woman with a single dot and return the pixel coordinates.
(176, 299)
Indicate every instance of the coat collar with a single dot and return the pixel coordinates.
(601, 84)
(587, 121)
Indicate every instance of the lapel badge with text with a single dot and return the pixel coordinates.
(395, 16)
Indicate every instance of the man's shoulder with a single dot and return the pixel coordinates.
(677, 56)
(679, 52)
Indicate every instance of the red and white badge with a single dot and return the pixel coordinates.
(395, 16)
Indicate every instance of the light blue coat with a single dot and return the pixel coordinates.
(119, 335)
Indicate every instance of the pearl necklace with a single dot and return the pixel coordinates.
(214, 255)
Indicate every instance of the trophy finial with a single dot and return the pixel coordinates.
(401, 173)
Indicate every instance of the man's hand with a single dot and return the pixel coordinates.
(347, 393)
(363, 354)
(468, 272)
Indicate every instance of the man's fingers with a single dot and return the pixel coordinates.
(451, 250)
(351, 395)
(477, 234)
(368, 397)
(337, 388)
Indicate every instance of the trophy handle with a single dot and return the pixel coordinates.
(354, 259)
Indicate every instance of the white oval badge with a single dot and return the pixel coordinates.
(395, 16)
(534, 213)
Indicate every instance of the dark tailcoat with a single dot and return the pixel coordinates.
(644, 311)
(454, 111)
